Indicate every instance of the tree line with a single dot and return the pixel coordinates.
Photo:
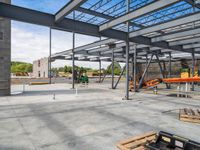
(28, 67)
(21, 67)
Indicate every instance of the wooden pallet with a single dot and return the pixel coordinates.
(189, 115)
(138, 142)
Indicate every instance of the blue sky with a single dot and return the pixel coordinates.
(31, 42)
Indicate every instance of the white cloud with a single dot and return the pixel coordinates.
(31, 42)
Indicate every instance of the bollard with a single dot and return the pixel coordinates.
(23, 88)
(54, 96)
(155, 91)
(76, 91)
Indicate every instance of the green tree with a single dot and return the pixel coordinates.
(117, 68)
(21, 67)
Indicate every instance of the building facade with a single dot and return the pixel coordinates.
(41, 68)
(5, 54)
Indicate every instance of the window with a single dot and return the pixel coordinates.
(38, 63)
(39, 74)
(1, 35)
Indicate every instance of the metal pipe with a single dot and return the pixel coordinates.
(50, 47)
(144, 73)
(122, 72)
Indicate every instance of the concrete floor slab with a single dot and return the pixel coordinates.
(94, 119)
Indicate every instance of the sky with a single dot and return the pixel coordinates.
(31, 42)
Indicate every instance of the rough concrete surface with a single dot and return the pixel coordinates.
(95, 118)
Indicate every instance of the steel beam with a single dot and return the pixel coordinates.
(36, 17)
(197, 45)
(152, 7)
(122, 72)
(175, 35)
(193, 3)
(144, 73)
(67, 9)
(183, 42)
(172, 23)
(88, 46)
(101, 15)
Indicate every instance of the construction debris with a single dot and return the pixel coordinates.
(189, 115)
(138, 142)
(161, 141)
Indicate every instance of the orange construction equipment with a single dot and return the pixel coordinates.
(152, 83)
(181, 80)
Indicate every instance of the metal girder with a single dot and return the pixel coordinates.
(152, 7)
(145, 71)
(197, 45)
(161, 44)
(88, 46)
(175, 35)
(186, 41)
(193, 3)
(119, 78)
(176, 22)
(45, 19)
(67, 9)
(101, 15)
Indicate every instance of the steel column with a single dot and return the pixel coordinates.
(99, 71)
(193, 64)
(113, 65)
(146, 64)
(135, 68)
(50, 47)
(170, 68)
(73, 59)
(132, 66)
(127, 52)
(122, 72)
(144, 73)
(127, 71)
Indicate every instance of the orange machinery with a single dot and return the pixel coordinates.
(154, 82)
(181, 80)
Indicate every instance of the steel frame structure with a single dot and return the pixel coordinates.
(136, 27)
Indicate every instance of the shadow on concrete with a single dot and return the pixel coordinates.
(58, 92)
